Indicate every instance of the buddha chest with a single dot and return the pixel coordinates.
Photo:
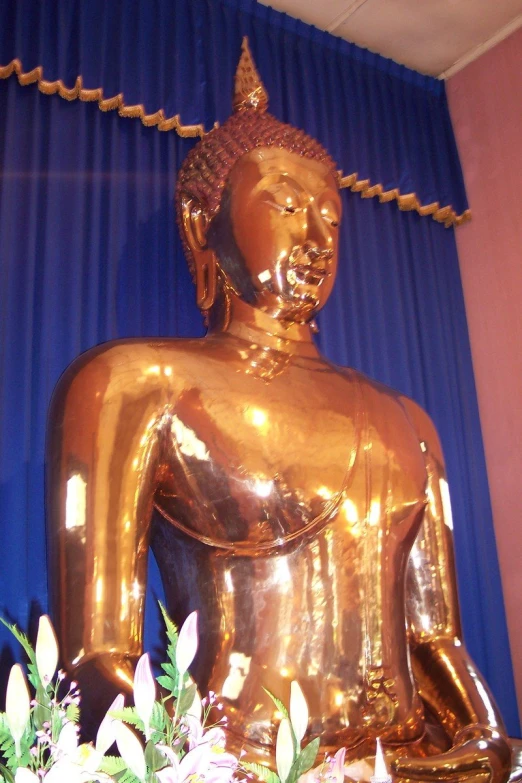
(254, 460)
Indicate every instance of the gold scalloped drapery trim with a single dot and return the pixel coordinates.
(406, 202)
(105, 104)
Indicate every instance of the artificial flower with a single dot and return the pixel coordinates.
(130, 749)
(74, 763)
(332, 770)
(193, 730)
(206, 760)
(336, 772)
(46, 650)
(187, 645)
(298, 711)
(106, 735)
(24, 775)
(17, 704)
(284, 749)
(144, 692)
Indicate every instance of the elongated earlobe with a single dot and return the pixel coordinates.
(195, 227)
(206, 279)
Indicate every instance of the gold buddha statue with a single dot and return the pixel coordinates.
(301, 507)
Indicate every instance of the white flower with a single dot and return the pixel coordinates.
(205, 760)
(67, 741)
(332, 770)
(24, 775)
(17, 704)
(106, 735)
(336, 773)
(187, 645)
(74, 763)
(144, 692)
(46, 650)
(193, 729)
(298, 711)
(130, 749)
(284, 749)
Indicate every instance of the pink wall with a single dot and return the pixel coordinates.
(486, 108)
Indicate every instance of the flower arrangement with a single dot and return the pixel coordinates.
(165, 740)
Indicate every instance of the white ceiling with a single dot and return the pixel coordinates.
(437, 37)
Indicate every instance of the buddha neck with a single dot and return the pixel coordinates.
(252, 325)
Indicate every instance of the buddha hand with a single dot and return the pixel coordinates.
(477, 749)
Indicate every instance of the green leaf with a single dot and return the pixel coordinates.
(126, 776)
(278, 703)
(284, 712)
(186, 698)
(160, 719)
(167, 683)
(73, 713)
(6, 774)
(130, 716)
(169, 669)
(304, 761)
(172, 631)
(5, 731)
(42, 712)
(263, 773)
(154, 759)
(111, 765)
(7, 744)
(33, 676)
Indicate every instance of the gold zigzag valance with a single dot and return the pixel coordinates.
(406, 201)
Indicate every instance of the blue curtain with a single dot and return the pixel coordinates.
(89, 250)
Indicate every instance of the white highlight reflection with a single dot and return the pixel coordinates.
(75, 502)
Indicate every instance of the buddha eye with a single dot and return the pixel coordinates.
(330, 214)
(289, 209)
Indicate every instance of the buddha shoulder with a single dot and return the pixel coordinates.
(395, 431)
(387, 407)
(131, 367)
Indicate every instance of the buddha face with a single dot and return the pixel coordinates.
(283, 211)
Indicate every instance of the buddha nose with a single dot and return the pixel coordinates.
(318, 236)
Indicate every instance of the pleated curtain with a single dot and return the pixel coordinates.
(89, 249)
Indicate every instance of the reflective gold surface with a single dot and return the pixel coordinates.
(300, 507)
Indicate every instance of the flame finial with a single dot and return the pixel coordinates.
(249, 90)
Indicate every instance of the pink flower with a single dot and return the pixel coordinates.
(194, 730)
(205, 761)
(130, 749)
(298, 711)
(332, 770)
(46, 650)
(144, 692)
(284, 749)
(73, 763)
(336, 771)
(106, 735)
(187, 645)
(17, 705)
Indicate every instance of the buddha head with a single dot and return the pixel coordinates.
(259, 210)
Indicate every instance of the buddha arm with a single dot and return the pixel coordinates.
(447, 678)
(101, 460)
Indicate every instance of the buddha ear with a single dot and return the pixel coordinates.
(195, 225)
